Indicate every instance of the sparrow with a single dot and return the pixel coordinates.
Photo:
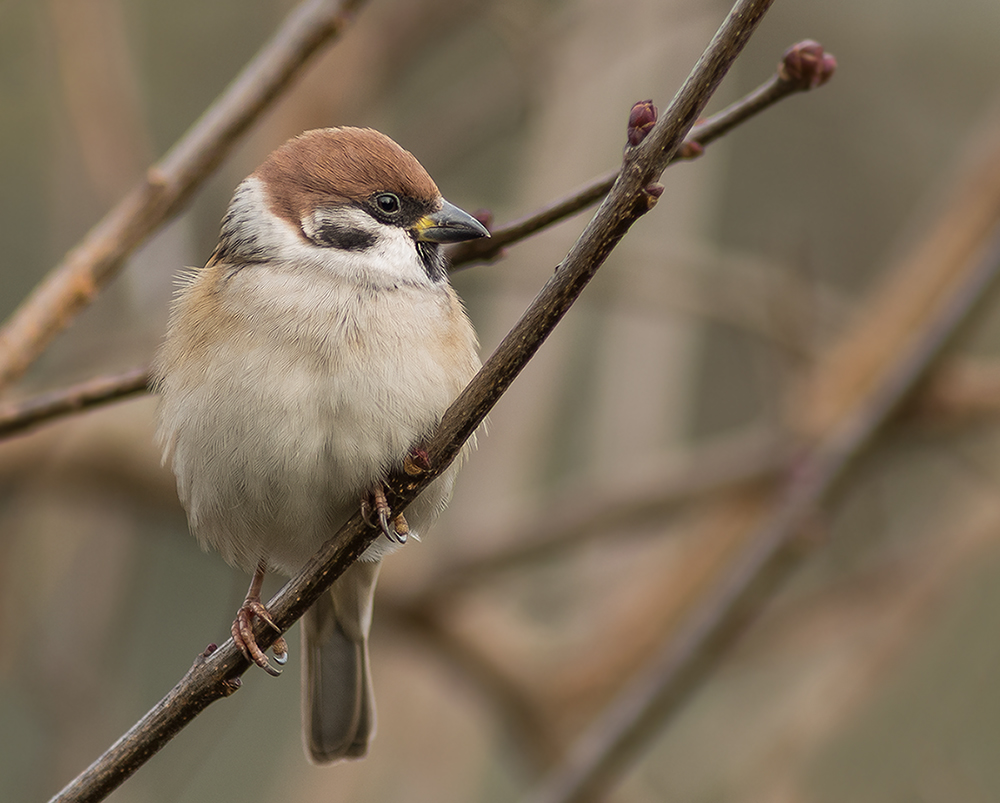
(311, 356)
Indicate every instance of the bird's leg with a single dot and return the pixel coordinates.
(243, 626)
(395, 530)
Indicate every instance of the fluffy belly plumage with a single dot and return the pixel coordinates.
(276, 493)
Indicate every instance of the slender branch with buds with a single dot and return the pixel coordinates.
(790, 78)
(804, 66)
(216, 673)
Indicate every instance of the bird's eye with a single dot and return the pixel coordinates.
(387, 202)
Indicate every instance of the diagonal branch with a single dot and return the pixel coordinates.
(216, 673)
(75, 282)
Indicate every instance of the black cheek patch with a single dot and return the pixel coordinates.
(345, 238)
(434, 262)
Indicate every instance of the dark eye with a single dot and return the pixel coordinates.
(387, 202)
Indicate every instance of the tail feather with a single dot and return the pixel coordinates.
(338, 706)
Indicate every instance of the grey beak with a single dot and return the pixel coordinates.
(448, 225)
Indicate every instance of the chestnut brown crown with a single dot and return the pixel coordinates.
(342, 165)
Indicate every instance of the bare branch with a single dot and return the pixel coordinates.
(522, 719)
(792, 76)
(75, 282)
(857, 388)
(18, 417)
(632, 196)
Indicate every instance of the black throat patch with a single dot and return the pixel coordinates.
(434, 261)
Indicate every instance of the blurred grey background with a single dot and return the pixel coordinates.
(873, 677)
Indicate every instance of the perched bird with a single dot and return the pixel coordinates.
(315, 351)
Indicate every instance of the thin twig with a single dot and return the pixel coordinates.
(591, 514)
(611, 743)
(523, 720)
(783, 83)
(75, 282)
(17, 417)
(217, 674)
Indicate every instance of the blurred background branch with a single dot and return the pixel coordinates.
(18, 416)
(74, 283)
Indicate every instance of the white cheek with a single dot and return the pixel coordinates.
(391, 260)
(392, 255)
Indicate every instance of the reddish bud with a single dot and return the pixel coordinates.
(652, 193)
(484, 216)
(689, 149)
(417, 461)
(641, 120)
(807, 65)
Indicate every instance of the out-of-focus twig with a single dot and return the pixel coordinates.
(75, 282)
(18, 417)
(100, 93)
(961, 391)
(898, 306)
(600, 513)
(867, 631)
(217, 673)
(515, 709)
(811, 67)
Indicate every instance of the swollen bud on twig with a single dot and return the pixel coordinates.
(652, 192)
(689, 149)
(417, 461)
(484, 216)
(807, 65)
(641, 120)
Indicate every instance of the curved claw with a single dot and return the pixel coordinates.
(242, 631)
(280, 650)
(389, 529)
(395, 530)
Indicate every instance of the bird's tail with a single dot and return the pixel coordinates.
(338, 707)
